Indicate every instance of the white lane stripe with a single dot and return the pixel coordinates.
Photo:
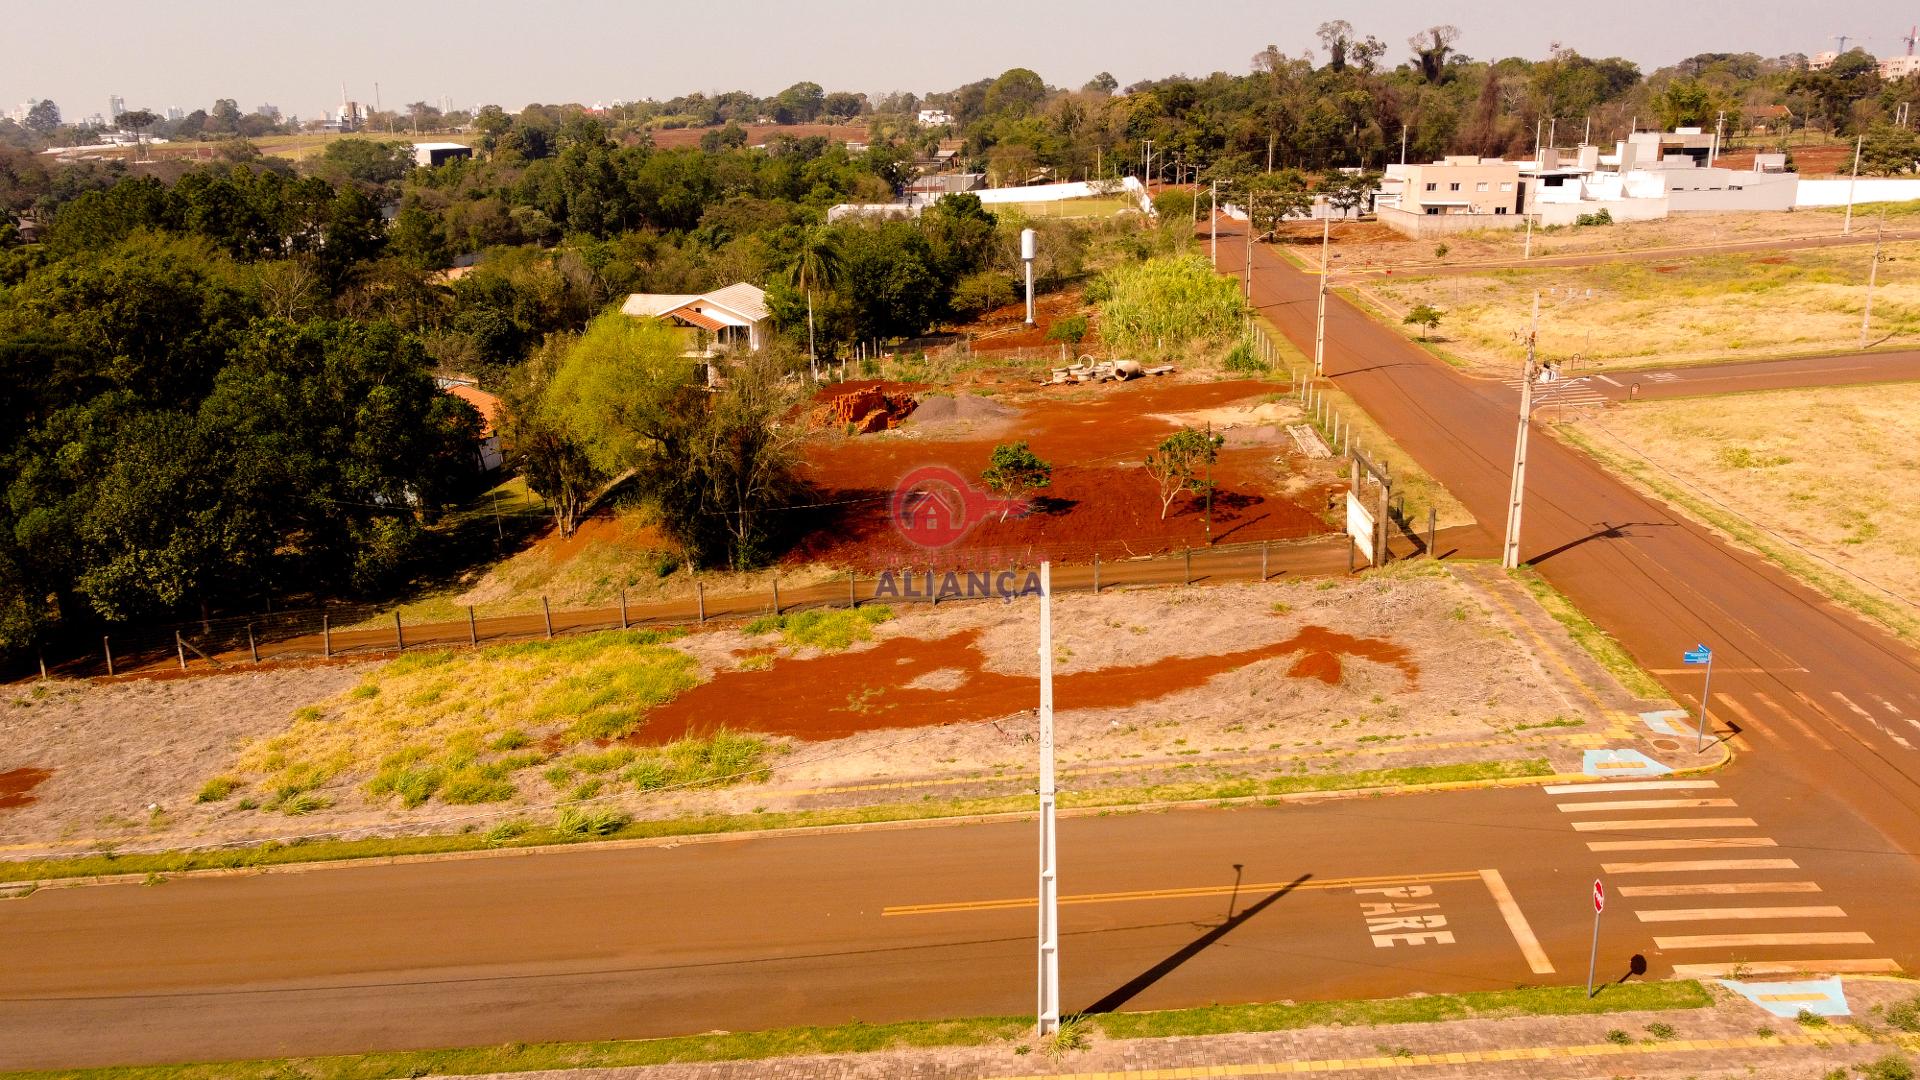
(1719, 888)
(1681, 845)
(1695, 866)
(1631, 785)
(1606, 380)
(1517, 923)
(1705, 914)
(1735, 941)
(1787, 967)
(1626, 824)
(1644, 804)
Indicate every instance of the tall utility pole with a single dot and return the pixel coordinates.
(1510, 552)
(1249, 281)
(1403, 144)
(1873, 272)
(1213, 223)
(1846, 228)
(1713, 153)
(1146, 161)
(1320, 324)
(1048, 1011)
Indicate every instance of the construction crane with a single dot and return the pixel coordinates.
(1911, 37)
(1842, 39)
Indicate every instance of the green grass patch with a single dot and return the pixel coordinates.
(524, 835)
(922, 1034)
(1597, 642)
(458, 725)
(827, 629)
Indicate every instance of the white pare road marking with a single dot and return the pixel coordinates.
(1721, 888)
(1402, 916)
(1517, 923)
(1738, 941)
(1636, 824)
(1644, 804)
(1631, 785)
(1692, 844)
(1707, 913)
(1695, 866)
(1869, 718)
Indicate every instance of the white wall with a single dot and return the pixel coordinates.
(1079, 189)
(1869, 189)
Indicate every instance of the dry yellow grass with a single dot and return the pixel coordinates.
(1820, 480)
(1687, 311)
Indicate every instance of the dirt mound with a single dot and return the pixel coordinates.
(865, 410)
(949, 408)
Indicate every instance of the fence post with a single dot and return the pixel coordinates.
(623, 607)
(932, 587)
(473, 628)
(853, 598)
(1096, 573)
(1431, 516)
(1263, 560)
(700, 597)
(251, 647)
(546, 615)
(399, 635)
(1350, 547)
(1188, 552)
(181, 649)
(106, 646)
(326, 636)
(776, 594)
(42, 653)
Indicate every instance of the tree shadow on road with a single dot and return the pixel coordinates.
(1133, 987)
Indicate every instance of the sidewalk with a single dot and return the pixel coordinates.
(1725, 1038)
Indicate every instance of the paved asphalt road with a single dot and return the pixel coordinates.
(1743, 376)
(1801, 854)
(749, 933)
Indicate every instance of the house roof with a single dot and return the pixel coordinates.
(689, 313)
(486, 404)
(746, 301)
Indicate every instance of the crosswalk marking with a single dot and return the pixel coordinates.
(1682, 844)
(1787, 967)
(1661, 376)
(1737, 941)
(1896, 711)
(1631, 785)
(1746, 913)
(1717, 888)
(1561, 392)
(1644, 804)
(1663, 823)
(1869, 718)
(1694, 866)
(1798, 724)
(1747, 719)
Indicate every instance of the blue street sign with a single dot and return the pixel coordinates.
(1699, 654)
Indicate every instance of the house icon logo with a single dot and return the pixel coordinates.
(934, 506)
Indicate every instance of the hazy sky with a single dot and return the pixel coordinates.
(188, 52)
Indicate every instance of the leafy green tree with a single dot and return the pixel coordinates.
(1887, 150)
(44, 117)
(138, 121)
(1425, 317)
(1178, 464)
(1072, 330)
(1013, 472)
(978, 293)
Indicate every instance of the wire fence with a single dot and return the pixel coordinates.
(364, 630)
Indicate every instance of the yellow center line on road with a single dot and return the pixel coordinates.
(1012, 903)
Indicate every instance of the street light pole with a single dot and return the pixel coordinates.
(1510, 551)
(1320, 325)
(1249, 279)
(1213, 223)
(1049, 940)
(1846, 227)
(1866, 316)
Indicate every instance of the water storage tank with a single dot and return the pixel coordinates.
(1029, 244)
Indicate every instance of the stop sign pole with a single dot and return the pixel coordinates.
(1599, 905)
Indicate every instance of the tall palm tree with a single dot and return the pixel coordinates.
(816, 263)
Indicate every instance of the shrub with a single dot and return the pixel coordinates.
(475, 784)
(1244, 358)
(1905, 1015)
(507, 831)
(1162, 305)
(1892, 1067)
(1601, 217)
(1810, 1019)
(978, 293)
(217, 789)
(1440, 251)
(1662, 1032)
(1072, 330)
(574, 821)
(1619, 1038)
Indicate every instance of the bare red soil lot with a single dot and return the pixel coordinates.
(1101, 498)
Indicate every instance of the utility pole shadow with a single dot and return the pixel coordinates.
(1133, 987)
